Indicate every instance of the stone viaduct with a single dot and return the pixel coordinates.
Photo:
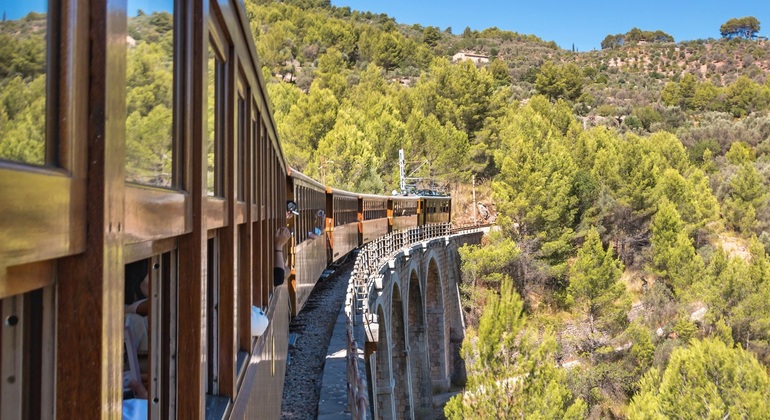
(404, 305)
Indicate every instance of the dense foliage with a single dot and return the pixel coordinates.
(22, 88)
(635, 35)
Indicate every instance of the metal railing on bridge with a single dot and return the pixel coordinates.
(365, 271)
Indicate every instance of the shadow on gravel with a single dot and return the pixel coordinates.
(313, 328)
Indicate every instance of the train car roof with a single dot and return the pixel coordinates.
(374, 196)
(293, 173)
(416, 197)
(405, 197)
(337, 191)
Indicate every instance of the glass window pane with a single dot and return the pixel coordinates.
(150, 92)
(213, 149)
(240, 182)
(23, 63)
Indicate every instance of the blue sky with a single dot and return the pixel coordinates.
(15, 9)
(584, 23)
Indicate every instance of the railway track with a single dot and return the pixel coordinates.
(310, 332)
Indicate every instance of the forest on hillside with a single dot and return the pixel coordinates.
(629, 273)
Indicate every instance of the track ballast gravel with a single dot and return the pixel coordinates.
(313, 326)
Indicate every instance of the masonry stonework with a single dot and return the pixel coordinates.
(420, 327)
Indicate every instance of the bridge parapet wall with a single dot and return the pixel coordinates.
(403, 303)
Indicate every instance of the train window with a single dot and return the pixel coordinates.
(345, 211)
(24, 63)
(27, 346)
(150, 93)
(212, 317)
(215, 138)
(255, 139)
(404, 208)
(150, 318)
(240, 153)
(375, 209)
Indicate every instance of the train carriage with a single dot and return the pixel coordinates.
(434, 209)
(404, 212)
(374, 217)
(311, 252)
(345, 230)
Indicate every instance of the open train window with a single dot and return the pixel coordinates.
(216, 404)
(151, 330)
(375, 209)
(27, 361)
(150, 93)
(26, 123)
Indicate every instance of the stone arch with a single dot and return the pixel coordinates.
(399, 358)
(438, 328)
(418, 354)
(453, 318)
(383, 380)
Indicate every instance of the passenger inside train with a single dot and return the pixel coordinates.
(136, 308)
(136, 311)
(318, 224)
(259, 321)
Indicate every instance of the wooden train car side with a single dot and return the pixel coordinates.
(312, 247)
(404, 210)
(434, 209)
(344, 229)
(374, 217)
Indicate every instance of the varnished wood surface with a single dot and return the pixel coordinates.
(373, 229)
(311, 261)
(90, 285)
(404, 222)
(153, 213)
(345, 240)
(191, 334)
(27, 277)
(216, 213)
(261, 391)
(241, 210)
(143, 250)
(41, 215)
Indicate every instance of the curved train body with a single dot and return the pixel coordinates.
(102, 214)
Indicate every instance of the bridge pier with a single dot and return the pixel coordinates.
(413, 343)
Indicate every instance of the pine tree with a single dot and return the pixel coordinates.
(595, 286)
(673, 255)
(707, 379)
(511, 372)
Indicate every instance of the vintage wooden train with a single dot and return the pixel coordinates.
(193, 184)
